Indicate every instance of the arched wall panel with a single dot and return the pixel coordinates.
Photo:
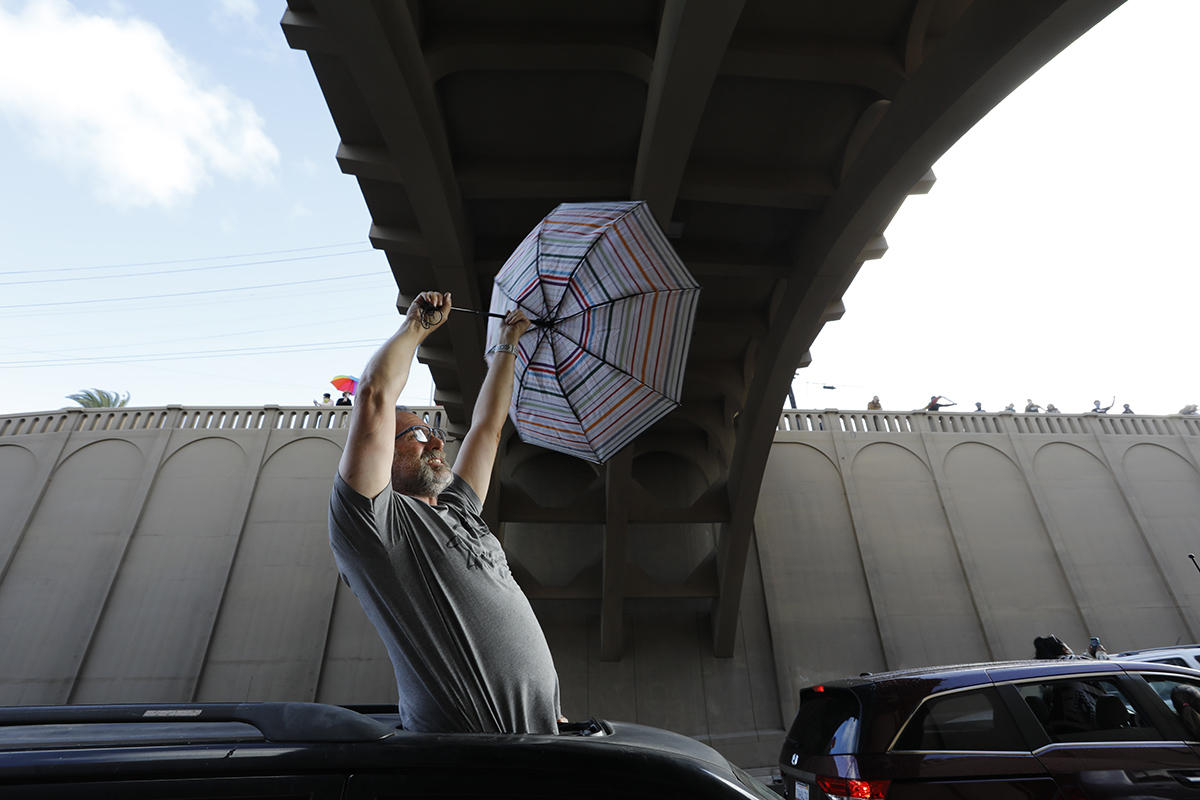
(1020, 579)
(1167, 489)
(18, 468)
(920, 586)
(812, 571)
(146, 647)
(270, 636)
(1121, 583)
(55, 586)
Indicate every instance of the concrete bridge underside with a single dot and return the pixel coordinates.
(773, 139)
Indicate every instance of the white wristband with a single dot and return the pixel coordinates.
(501, 348)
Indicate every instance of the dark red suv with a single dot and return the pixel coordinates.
(1032, 730)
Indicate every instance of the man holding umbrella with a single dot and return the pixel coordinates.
(466, 648)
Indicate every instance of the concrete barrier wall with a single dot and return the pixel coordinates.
(889, 540)
(167, 555)
(178, 554)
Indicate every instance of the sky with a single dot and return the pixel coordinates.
(173, 224)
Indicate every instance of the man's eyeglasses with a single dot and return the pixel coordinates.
(423, 433)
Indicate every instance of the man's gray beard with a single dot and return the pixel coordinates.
(425, 481)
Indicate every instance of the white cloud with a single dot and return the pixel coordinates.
(241, 10)
(111, 98)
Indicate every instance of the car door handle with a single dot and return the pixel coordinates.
(1191, 779)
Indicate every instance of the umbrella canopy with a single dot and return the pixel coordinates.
(615, 307)
(345, 383)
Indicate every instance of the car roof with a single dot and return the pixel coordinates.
(1176, 648)
(889, 698)
(949, 676)
(135, 741)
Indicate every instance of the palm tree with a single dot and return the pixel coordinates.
(99, 398)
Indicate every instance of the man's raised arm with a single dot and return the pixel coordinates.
(478, 450)
(366, 463)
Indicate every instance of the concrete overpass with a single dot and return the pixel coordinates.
(176, 554)
(774, 140)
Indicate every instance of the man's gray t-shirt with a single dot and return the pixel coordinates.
(468, 652)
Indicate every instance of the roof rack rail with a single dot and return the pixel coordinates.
(278, 722)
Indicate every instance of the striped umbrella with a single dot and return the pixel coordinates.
(614, 308)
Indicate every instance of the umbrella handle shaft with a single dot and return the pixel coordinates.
(538, 323)
(476, 311)
(431, 316)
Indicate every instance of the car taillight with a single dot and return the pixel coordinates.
(853, 788)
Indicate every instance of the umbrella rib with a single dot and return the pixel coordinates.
(537, 265)
(567, 397)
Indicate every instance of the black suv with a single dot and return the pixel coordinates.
(309, 750)
(1034, 730)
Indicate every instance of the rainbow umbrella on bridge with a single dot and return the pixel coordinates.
(345, 383)
(613, 307)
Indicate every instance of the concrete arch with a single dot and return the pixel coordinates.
(177, 446)
(1006, 456)
(1083, 447)
(309, 434)
(554, 480)
(1123, 587)
(150, 640)
(912, 451)
(1019, 584)
(58, 578)
(554, 554)
(672, 478)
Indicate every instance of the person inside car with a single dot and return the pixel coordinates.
(468, 653)
(1186, 700)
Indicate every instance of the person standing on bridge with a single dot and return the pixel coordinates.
(405, 528)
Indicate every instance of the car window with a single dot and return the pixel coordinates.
(827, 723)
(975, 720)
(1086, 710)
(1182, 697)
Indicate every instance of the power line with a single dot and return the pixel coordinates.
(133, 358)
(224, 335)
(181, 260)
(186, 269)
(189, 294)
(324, 292)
